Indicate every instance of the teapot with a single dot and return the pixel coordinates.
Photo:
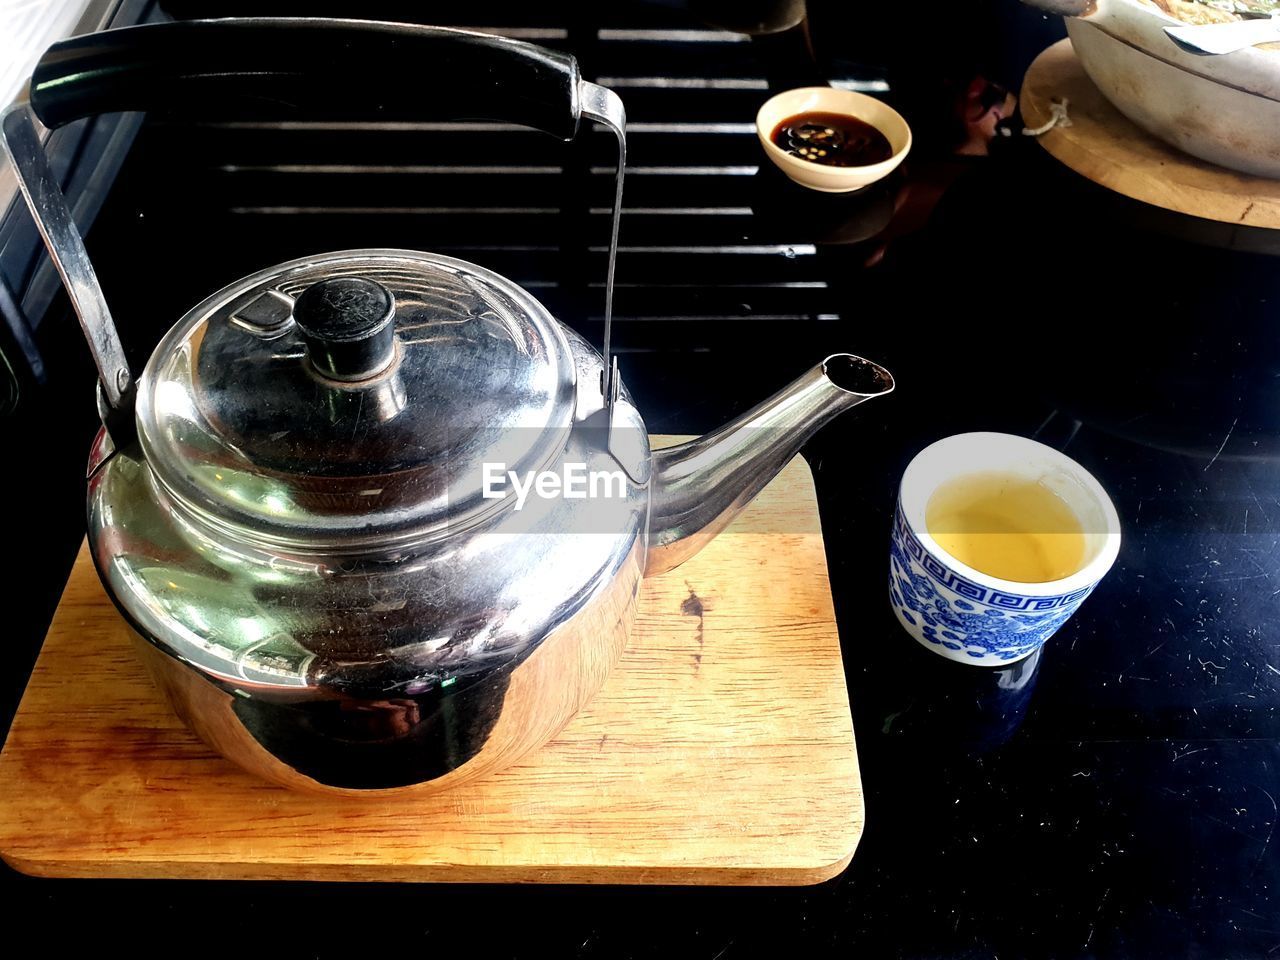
(378, 520)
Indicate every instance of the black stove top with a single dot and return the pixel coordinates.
(1118, 798)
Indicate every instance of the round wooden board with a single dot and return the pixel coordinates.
(1108, 148)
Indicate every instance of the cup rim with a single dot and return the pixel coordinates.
(913, 499)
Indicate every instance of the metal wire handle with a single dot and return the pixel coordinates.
(21, 143)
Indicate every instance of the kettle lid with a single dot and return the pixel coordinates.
(351, 401)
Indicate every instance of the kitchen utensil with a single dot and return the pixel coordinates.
(968, 615)
(1217, 39)
(816, 176)
(384, 517)
(1103, 145)
(719, 751)
(1224, 109)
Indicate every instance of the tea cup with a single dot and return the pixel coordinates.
(966, 614)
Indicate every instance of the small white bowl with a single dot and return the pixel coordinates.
(816, 176)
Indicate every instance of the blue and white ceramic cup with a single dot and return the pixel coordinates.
(963, 613)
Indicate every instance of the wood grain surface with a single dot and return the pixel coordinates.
(720, 751)
(1108, 148)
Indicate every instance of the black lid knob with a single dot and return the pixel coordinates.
(348, 325)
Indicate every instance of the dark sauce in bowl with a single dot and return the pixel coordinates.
(832, 139)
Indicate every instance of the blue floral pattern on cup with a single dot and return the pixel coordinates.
(963, 619)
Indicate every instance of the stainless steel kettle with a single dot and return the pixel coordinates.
(379, 519)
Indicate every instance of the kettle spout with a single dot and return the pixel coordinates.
(700, 486)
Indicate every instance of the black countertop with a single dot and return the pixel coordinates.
(1116, 798)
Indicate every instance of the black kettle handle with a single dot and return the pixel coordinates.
(281, 67)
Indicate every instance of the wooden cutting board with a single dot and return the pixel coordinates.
(720, 751)
(1108, 148)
